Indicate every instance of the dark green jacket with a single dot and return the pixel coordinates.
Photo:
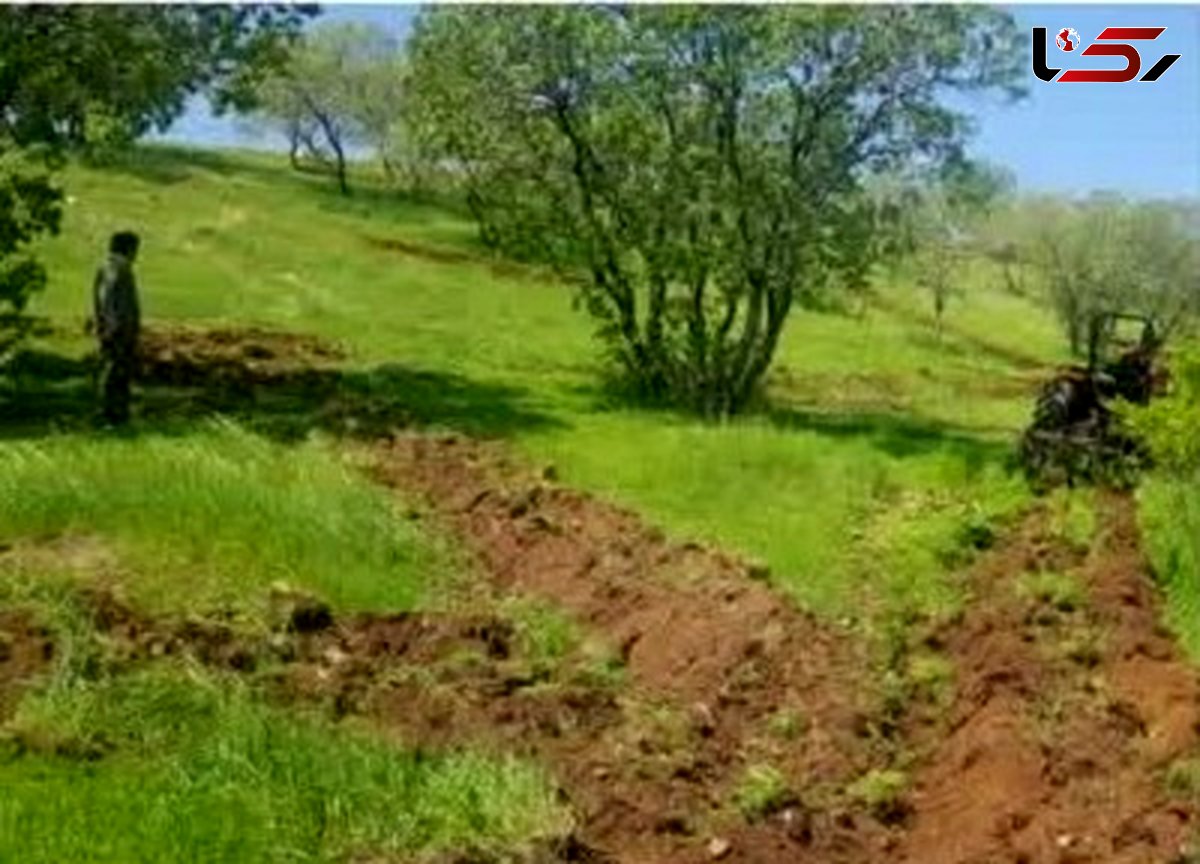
(118, 316)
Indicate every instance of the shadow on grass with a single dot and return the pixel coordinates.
(166, 165)
(894, 432)
(43, 393)
(898, 435)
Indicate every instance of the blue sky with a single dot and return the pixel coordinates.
(1139, 138)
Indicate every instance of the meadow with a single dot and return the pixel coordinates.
(874, 470)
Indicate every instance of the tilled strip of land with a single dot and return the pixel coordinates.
(1062, 723)
(1066, 714)
(700, 636)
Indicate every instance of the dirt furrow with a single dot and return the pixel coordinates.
(1065, 716)
(699, 635)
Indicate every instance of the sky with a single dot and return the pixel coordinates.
(1142, 139)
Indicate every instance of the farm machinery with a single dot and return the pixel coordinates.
(1075, 434)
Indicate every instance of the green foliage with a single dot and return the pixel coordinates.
(214, 518)
(881, 791)
(763, 790)
(1169, 503)
(901, 440)
(1106, 254)
(931, 677)
(195, 769)
(696, 168)
(1170, 426)
(1073, 515)
(547, 634)
(342, 84)
(1182, 779)
(1060, 590)
(935, 222)
(99, 74)
(29, 207)
(1169, 511)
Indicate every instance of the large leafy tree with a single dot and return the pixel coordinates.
(98, 75)
(700, 165)
(74, 73)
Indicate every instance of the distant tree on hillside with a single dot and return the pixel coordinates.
(342, 85)
(1109, 254)
(701, 165)
(937, 224)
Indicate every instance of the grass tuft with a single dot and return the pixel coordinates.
(181, 766)
(1059, 590)
(214, 518)
(763, 790)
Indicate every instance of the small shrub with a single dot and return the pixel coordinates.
(762, 791)
(787, 723)
(882, 792)
(1183, 778)
(1062, 592)
(931, 676)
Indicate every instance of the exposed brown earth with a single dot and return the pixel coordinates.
(25, 650)
(701, 636)
(1049, 748)
(188, 357)
(1064, 719)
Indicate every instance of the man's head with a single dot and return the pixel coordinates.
(125, 244)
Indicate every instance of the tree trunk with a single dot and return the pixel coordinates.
(294, 148)
(340, 155)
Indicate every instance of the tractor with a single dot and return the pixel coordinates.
(1075, 436)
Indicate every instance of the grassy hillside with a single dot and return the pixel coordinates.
(174, 697)
(897, 436)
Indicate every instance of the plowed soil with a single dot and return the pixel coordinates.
(1048, 747)
(703, 640)
(189, 357)
(1061, 725)
(1064, 718)
(25, 650)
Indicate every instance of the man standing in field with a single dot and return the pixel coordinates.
(118, 321)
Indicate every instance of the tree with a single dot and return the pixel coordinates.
(97, 76)
(78, 74)
(341, 85)
(941, 219)
(701, 166)
(29, 207)
(1107, 254)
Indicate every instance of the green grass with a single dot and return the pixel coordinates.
(194, 769)
(1062, 591)
(881, 791)
(762, 791)
(1169, 509)
(874, 473)
(213, 518)
(866, 409)
(1182, 779)
(104, 762)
